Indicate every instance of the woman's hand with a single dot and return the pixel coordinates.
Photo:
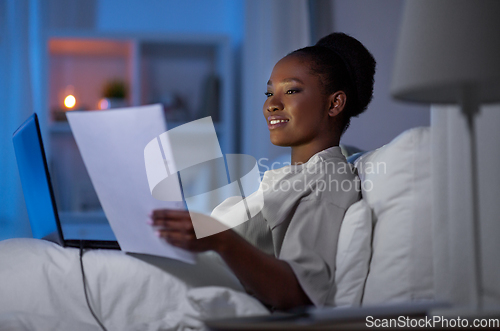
(176, 228)
(269, 279)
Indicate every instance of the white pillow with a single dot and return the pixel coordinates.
(396, 183)
(353, 254)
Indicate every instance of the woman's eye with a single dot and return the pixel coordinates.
(268, 94)
(292, 91)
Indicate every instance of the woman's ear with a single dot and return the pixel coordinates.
(337, 103)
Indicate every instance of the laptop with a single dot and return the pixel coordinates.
(38, 191)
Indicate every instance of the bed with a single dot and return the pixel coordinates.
(384, 256)
(43, 290)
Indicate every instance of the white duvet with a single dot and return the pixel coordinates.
(41, 289)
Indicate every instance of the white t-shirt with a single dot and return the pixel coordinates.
(304, 206)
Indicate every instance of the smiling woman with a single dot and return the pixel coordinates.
(315, 91)
(285, 254)
(298, 113)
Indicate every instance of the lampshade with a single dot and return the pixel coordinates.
(447, 47)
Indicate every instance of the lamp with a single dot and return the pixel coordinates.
(449, 52)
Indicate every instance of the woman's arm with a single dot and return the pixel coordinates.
(269, 279)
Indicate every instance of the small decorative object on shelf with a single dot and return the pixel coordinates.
(114, 95)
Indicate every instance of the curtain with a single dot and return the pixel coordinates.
(21, 93)
(272, 30)
(453, 242)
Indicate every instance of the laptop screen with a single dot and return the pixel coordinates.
(35, 179)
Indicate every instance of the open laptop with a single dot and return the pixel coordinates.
(38, 191)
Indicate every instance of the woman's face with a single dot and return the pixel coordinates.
(296, 110)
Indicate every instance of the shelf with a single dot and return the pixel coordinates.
(89, 47)
(190, 75)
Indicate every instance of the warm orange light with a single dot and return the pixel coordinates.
(70, 101)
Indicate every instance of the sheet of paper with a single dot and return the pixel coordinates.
(112, 144)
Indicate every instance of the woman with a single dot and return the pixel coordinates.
(285, 255)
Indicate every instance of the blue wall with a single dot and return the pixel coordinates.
(376, 25)
(22, 23)
(193, 16)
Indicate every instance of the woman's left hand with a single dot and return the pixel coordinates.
(176, 228)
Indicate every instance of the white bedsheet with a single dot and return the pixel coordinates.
(41, 289)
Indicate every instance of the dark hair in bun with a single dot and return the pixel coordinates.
(343, 64)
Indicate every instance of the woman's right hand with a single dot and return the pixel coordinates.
(176, 227)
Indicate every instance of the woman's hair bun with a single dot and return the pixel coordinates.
(360, 64)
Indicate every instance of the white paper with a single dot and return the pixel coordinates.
(112, 144)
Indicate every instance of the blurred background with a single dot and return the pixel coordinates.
(197, 57)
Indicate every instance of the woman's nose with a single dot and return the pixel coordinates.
(272, 108)
(274, 104)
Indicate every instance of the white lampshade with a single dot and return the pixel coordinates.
(446, 47)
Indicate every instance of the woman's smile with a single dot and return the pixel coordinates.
(275, 122)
